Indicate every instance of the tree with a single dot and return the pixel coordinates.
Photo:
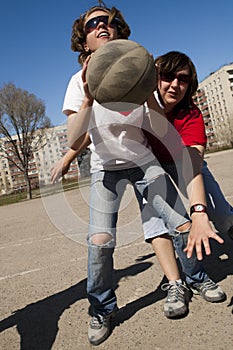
(23, 125)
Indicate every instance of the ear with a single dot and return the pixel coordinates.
(86, 48)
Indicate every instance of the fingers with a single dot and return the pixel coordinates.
(217, 238)
(198, 245)
(56, 174)
(85, 68)
(191, 245)
(54, 177)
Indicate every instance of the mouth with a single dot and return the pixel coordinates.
(172, 93)
(103, 34)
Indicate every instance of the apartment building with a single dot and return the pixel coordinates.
(215, 99)
(55, 148)
(56, 145)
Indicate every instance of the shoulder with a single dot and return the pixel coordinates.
(74, 94)
(195, 111)
(190, 113)
(189, 116)
(77, 77)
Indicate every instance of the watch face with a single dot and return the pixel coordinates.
(199, 207)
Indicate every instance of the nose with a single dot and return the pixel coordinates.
(101, 25)
(175, 82)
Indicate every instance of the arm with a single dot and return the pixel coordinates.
(62, 166)
(77, 106)
(78, 122)
(201, 229)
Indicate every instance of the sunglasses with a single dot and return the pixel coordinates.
(93, 23)
(169, 77)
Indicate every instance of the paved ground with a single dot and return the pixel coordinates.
(43, 280)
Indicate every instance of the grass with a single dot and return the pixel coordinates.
(22, 196)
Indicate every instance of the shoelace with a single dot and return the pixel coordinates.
(97, 321)
(209, 284)
(174, 290)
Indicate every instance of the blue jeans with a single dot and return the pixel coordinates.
(220, 212)
(107, 188)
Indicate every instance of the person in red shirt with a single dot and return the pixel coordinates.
(177, 149)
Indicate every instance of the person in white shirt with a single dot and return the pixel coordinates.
(121, 155)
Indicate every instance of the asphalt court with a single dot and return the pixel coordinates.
(43, 279)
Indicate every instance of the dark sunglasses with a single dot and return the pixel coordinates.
(93, 23)
(169, 77)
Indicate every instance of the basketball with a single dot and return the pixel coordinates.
(121, 71)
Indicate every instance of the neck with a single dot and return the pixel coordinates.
(169, 108)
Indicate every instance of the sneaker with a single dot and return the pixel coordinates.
(99, 328)
(230, 232)
(209, 290)
(178, 296)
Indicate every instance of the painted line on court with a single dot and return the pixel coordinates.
(25, 241)
(39, 269)
(55, 265)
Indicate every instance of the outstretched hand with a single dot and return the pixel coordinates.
(200, 233)
(58, 170)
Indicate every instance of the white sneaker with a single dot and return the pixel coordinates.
(177, 300)
(209, 290)
(100, 328)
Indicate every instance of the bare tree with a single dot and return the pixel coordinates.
(23, 124)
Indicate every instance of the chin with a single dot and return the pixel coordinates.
(171, 101)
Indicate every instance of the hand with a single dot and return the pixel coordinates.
(200, 233)
(58, 170)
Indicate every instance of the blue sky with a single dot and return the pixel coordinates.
(35, 39)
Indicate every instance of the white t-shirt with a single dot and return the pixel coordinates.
(118, 141)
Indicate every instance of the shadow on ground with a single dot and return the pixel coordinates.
(37, 323)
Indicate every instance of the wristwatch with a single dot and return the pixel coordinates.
(198, 208)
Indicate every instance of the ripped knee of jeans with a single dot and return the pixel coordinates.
(102, 239)
(183, 235)
(184, 228)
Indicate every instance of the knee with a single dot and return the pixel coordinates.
(101, 239)
(184, 227)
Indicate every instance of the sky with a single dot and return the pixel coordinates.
(35, 39)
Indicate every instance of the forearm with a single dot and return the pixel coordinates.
(72, 154)
(196, 191)
(78, 126)
(192, 172)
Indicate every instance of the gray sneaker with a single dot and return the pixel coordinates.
(177, 300)
(209, 290)
(100, 328)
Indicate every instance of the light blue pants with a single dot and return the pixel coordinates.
(220, 212)
(107, 188)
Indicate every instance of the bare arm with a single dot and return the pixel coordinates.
(78, 122)
(201, 230)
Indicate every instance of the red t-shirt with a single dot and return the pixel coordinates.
(186, 128)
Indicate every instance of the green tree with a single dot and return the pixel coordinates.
(23, 125)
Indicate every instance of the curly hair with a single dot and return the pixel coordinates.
(78, 37)
(173, 61)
